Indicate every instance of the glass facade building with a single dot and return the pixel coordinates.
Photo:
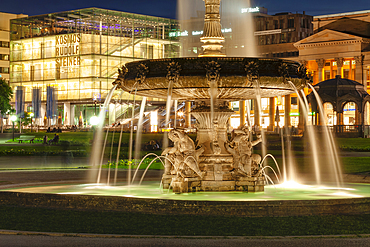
(79, 52)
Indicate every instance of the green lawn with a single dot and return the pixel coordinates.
(72, 221)
(80, 144)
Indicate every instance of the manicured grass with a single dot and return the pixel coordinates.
(354, 144)
(72, 221)
(356, 164)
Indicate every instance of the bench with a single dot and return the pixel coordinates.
(26, 138)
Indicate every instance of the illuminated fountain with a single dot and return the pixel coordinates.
(216, 165)
(212, 81)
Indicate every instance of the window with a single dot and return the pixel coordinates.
(32, 73)
(276, 24)
(4, 70)
(4, 44)
(150, 52)
(291, 23)
(281, 24)
(4, 57)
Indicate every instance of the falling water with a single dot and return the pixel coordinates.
(213, 91)
(329, 142)
(283, 155)
(139, 130)
(310, 133)
(168, 114)
(240, 42)
(259, 105)
(96, 149)
(243, 28)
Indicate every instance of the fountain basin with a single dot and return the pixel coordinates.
(298, 201)
(238, 77)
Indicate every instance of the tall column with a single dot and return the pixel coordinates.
(271, 114)
(287, 111)
(257, 118)
(212, 37)
(242, 112)
(339, 61)
(357, 116)
(72, 115)
(188, 114)
(340, 118)
(67, 113)
(320, 64)
(359, 70)
(364, 76)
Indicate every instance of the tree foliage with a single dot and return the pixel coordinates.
(5, 97)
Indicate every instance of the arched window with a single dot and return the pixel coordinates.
(330, 114)
(349, 113)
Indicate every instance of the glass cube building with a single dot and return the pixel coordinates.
(79, 52)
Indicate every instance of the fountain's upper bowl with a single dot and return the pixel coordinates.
(237, 78)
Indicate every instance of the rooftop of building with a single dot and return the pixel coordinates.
(342, 14)
(350, 26)
(92, 12)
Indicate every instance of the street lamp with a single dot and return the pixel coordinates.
(13, 118)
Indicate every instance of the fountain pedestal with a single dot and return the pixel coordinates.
(221, 164)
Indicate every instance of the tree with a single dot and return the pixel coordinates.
(6, 94)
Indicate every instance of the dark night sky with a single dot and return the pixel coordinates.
(167, 8)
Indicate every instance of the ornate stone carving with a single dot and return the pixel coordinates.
(213, 71)
(339, 61)
(302, 71)
(359, 59)
(240, 146)
(212, 36)
(173, 71)
(142, 71)
(320, 62)
(283, 71)
(252, 70)
(215, 144)
(121, 77)
(182, 158)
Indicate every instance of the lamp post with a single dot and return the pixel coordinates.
(13, 118)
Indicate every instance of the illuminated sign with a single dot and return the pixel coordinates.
(267, 32)
(224, 30)
(67, 49)
(179, 34)
(251, 10)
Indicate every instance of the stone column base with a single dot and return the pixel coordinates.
(186, 185)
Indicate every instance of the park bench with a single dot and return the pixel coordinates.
(26, 138)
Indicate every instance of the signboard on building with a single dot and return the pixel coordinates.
(67, 48)
(267, 32)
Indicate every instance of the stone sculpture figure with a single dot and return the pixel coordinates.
(240, 146)
(182, 157)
